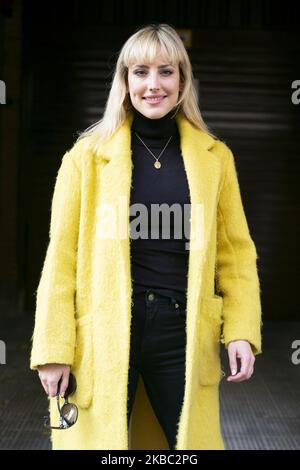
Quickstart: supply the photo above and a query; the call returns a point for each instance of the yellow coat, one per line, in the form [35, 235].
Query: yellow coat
[83, 308]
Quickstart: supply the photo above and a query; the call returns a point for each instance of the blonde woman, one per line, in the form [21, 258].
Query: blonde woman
[134, 306]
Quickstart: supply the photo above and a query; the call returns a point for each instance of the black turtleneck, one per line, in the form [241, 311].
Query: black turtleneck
[158, 264]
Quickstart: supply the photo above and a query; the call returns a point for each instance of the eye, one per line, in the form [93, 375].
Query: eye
[138, 72]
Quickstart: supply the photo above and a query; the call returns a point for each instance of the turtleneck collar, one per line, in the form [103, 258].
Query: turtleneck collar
[152, 130]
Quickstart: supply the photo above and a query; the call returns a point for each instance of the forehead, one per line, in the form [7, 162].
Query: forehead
[158, 65]
[151, 55]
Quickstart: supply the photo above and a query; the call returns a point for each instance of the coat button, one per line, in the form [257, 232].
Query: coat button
[176, 305]
[151, 297]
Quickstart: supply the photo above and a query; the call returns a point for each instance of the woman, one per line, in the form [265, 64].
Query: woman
[113, 307]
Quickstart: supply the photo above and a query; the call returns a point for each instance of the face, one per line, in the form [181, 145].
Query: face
[159, 79]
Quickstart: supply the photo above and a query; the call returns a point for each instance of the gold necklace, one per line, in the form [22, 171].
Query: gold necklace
[157, 164]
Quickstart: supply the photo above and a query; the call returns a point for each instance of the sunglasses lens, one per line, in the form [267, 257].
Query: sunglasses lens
[70, 412]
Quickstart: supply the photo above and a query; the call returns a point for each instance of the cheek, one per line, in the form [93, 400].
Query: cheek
[135, 88]
[132, 85]
[173, 86]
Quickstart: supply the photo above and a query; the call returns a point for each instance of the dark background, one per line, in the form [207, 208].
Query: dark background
[57, 60]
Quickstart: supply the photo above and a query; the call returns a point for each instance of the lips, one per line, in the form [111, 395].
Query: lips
[154, 100]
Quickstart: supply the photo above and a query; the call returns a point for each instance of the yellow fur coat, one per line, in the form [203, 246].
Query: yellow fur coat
[83, 307]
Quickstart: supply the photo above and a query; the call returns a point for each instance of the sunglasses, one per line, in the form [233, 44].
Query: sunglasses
[68, 413]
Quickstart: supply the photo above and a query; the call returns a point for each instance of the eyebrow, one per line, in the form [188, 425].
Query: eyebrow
[160, 66]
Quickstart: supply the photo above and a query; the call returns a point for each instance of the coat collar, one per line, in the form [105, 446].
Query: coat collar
[121, 139]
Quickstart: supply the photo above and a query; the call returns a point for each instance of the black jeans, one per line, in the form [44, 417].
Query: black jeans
[157, 352]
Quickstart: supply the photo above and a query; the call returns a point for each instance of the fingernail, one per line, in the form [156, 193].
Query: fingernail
[233, 371]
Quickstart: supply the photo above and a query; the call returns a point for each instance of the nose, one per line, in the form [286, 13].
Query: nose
[153, 81]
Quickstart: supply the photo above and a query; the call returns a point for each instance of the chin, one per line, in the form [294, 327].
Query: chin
[156, 114]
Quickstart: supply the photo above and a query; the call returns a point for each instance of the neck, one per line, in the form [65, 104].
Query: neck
[156, 130]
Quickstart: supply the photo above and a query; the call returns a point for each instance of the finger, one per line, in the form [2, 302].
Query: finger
[237, 378]
[250, 373]
[64, 382]
[43, 382]
[245, 365]
[233, 362]
[52, 387]
[45, 386]
[244, 371]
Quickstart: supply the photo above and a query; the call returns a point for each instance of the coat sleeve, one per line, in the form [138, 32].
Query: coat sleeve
[53, 339]
[236, 269]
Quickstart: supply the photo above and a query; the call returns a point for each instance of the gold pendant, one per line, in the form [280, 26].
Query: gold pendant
[157, 164]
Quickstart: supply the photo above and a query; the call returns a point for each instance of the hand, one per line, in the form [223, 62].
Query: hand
[242, 350]
[50, 375]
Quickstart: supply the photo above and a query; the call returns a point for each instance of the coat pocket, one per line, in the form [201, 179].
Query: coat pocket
[209, 338]
[83, 365]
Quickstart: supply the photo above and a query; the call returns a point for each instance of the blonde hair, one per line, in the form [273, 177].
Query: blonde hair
[143, 46]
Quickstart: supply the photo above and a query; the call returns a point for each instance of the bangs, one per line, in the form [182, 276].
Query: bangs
[144, 50]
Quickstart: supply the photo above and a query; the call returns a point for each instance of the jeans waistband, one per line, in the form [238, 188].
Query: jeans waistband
[150, 295]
